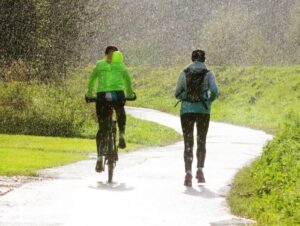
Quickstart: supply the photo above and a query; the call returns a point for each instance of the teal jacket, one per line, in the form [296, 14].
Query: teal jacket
[209, 84]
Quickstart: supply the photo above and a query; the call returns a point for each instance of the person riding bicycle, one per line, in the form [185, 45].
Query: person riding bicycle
[114, 85]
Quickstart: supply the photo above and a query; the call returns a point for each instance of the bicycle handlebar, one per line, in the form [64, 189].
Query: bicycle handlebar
[94, 99]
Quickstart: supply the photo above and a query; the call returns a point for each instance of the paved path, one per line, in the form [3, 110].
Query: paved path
[148, 189]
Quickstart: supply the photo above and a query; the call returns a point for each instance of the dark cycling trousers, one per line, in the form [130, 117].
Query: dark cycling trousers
[188, 122]
[103, 110]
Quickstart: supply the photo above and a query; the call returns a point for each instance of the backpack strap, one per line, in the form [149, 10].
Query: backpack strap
[204, 71]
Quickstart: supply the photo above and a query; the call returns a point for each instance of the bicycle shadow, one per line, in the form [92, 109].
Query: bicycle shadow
[203, 192]
[117, 187]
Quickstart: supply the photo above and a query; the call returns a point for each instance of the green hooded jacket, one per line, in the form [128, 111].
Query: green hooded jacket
[111, 77]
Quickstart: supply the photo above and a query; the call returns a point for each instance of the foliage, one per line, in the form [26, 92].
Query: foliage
[293, 34]
[39, 110]
[18, 26]
[234, 37]
[46, 37]
[234, 32]
[246, 93]
[269, 190]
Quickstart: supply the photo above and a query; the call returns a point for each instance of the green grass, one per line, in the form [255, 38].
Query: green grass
[28, 161]
[58, 110]
[260, 97]
[155, 88]
[269, 190]
[25, 155]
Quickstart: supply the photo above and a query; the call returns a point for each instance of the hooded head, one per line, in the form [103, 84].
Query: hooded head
[108, 53]
[198, 55]
[117, 57]
[110, 49]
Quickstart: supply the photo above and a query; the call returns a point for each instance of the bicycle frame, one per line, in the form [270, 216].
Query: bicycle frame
[110, 151]
[111, 136]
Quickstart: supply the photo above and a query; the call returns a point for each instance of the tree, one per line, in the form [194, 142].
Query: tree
[48, 37]
[18, 25]
[293, 36]
[232, 36]
[58, 30]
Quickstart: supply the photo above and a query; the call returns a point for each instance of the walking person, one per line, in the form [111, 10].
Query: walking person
[196, 89]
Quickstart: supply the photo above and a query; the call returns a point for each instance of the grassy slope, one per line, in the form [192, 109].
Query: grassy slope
[260, 97]
[24, 155]
[269, 190]
[247, 94]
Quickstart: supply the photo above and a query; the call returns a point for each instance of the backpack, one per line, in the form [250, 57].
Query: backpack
[194, 82]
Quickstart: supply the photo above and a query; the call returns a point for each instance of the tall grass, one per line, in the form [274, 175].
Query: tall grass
[259, 97]
[269, 190]
[37, 109]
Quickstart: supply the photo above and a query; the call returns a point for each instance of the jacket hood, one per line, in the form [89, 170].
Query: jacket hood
[197, 66]
[117, 57]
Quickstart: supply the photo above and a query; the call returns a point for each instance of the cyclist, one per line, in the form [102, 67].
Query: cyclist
[114, 85]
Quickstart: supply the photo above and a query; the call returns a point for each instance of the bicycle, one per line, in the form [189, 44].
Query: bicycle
[110, 151]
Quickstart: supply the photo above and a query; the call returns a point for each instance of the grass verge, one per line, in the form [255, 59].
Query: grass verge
[269, 189]
[25, 155]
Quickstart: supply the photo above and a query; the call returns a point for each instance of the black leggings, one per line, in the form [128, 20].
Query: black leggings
[188, 122]
[103, 109]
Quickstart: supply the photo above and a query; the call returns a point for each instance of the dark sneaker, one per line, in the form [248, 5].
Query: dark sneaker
[188, 180]
[200, 176]
[122, 143]
[99, 166]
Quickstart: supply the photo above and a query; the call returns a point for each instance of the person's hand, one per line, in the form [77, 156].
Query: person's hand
[88, 99]
[132, 96]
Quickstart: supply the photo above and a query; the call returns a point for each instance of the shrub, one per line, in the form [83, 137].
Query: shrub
[42, 110]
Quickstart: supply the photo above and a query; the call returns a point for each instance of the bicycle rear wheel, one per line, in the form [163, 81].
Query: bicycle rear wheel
[112, 157]
[111, 166]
